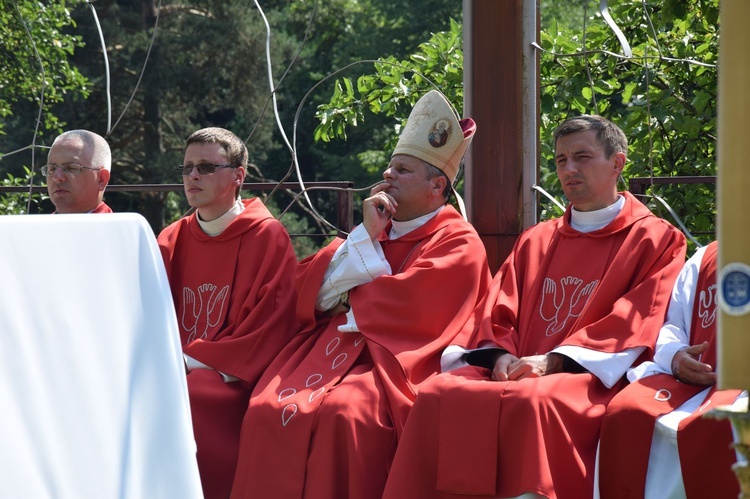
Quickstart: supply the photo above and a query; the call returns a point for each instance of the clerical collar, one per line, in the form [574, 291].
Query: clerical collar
[399, 229]
[589, 221]
[216, 227]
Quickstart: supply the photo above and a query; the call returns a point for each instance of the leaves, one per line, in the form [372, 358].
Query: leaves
[38, 73]
[395, 86]
[202, 77]
[15, 203]
[666, 108]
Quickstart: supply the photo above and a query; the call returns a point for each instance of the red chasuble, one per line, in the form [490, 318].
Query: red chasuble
[704, 445]
[325, 419]
[606, 290]
[102, 208]
[234, 296]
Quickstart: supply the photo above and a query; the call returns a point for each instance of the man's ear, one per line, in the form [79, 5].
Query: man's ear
[103, 179]
[240, 175]
[441, 182]
[620, 160]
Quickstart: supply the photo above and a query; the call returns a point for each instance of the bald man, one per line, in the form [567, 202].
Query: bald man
[77, 171]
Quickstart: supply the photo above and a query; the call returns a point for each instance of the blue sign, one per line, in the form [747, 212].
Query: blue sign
[734, 289]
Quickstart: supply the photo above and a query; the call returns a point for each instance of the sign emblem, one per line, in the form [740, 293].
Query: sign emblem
[734, 289]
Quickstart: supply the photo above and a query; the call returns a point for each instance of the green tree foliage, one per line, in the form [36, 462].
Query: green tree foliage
[664, 96]
[34, 78]
[16, 203]
[396, 85]
[32, 72]
[207, 67]
[345, 36]
[391, 92]
[176, 69]
[572, 13]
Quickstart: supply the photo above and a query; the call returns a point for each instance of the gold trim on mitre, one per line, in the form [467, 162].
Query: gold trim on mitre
[433, 134]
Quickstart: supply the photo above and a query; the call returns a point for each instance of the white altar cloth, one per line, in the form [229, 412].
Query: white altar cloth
[93, 397]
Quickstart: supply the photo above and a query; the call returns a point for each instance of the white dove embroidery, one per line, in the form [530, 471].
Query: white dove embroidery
[197, 318]
[567, 301]
[707, 306]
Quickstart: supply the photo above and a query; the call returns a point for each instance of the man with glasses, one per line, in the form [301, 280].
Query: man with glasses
[77, 172]
[231, 268]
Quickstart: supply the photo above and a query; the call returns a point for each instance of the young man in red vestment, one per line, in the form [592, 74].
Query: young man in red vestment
[655, 442]
[77, 172]
[231, 269]
[578, 300]
[377, 309]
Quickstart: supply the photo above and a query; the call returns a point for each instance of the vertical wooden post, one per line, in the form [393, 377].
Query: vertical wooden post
[733, 200]
[733, 207]
[502, 99]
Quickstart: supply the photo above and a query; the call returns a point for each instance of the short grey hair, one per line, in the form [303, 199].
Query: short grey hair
[101, 155]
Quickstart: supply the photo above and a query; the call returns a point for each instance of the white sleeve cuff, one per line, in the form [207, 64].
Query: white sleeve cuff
[191, 363]
[351, 323]
[644, 370]
[357, 261]
[608, 367]
[452, 358]
[666, 351]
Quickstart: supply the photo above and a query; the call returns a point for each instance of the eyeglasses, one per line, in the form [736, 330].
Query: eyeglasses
[71, 169]
[203, 168]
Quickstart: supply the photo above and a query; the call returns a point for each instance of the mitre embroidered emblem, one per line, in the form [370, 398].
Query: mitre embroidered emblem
[440, 132]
